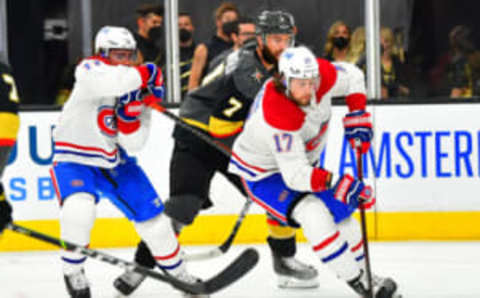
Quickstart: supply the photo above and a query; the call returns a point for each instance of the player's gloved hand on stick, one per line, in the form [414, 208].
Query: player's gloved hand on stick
[5, 211]
[353, 192]
[152, 80]
[358, 125]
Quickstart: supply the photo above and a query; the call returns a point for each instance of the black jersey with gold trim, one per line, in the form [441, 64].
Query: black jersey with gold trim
[220, 107]
[9, 101]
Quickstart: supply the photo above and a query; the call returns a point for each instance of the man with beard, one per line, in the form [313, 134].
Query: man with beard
[225, 14]
[149, 34]
[219, 110]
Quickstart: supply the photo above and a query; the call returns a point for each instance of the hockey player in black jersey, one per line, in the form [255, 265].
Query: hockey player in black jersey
[219, 109]
[9, 124]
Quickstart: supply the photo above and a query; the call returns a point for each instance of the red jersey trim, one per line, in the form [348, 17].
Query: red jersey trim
[356, 101]
[279, 111]
[328, 77]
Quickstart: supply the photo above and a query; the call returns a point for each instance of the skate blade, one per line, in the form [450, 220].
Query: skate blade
[288, 282]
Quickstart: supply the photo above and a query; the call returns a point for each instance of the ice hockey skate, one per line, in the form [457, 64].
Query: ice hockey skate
[128, 282]
[294, 274]
[77, 285]
[382, 287]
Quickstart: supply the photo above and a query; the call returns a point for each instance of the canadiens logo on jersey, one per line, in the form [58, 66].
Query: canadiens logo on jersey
[106, 121]
[313, 143]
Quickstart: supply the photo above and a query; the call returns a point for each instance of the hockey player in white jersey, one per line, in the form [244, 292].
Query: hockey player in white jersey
[277, 151]
[104, 121]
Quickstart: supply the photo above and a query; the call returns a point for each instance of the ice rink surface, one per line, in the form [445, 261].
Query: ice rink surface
[422, 269]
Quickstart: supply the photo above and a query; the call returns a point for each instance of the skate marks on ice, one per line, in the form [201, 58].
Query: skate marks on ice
[422, 270]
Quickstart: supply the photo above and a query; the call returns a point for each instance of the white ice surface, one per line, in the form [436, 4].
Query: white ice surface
[422, 269]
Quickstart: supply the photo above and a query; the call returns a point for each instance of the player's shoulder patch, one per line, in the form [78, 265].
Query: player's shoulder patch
[93, 62]
[328, 77]
[279, 111]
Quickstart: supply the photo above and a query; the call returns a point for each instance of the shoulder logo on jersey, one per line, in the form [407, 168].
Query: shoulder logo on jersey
[257, 76]
[313, 143]
[339, 68]
[106, 121]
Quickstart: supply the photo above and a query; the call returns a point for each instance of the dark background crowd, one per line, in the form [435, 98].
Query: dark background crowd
[428, 47]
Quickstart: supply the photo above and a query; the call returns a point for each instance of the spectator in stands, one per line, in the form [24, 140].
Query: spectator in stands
[459, 70]
[356, 51]
[187, 48]
[393, 71]
[204, 53]
[243, 32]
[149, 34]
[452, 74]
[338, 39]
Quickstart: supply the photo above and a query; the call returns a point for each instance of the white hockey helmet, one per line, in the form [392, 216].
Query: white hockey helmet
[299, 63]
[110, 37]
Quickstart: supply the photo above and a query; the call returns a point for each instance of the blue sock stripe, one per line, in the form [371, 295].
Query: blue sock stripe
[359, 258]
[74, 261]
[170, 267]
[336, 254]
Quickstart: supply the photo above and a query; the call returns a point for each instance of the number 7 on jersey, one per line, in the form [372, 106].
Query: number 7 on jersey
[283, 142]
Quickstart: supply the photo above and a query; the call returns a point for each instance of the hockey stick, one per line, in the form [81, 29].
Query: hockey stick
[218, 251]
[235, 270]
[225, 246]
[363, 220]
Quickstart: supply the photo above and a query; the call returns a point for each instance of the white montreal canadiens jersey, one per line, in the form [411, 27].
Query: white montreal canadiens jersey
[86, 132]
[281, 137]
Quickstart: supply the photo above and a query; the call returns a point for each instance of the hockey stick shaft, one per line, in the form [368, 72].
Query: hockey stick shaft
[363, 221]
[244, 263]
[223, 248]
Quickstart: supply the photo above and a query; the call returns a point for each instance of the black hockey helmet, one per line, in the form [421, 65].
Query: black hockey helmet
[275, 21]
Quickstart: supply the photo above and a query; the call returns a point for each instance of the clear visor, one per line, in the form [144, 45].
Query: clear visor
[122, 55]
[305, 84]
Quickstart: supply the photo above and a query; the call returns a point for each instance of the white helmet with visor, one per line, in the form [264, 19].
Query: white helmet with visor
[110, 37]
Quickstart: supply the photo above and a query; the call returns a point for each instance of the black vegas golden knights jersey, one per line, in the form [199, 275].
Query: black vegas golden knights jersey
[9, 102]
[9, 121]
[220, 107]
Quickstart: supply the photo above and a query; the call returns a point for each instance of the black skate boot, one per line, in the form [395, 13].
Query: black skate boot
[128, 282]
[77, 285]
[382, 287]
[294, 274]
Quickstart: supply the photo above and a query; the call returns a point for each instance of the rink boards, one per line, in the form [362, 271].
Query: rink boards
[424, 166]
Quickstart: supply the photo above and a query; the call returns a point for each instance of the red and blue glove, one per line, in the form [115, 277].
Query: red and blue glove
[358, 130]
[351, 192]
[129, 107]
[152, 79]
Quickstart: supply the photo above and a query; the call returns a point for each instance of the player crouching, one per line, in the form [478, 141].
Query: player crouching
[284, 136]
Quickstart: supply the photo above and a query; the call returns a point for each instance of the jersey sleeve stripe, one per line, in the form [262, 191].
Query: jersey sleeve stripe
[85, 148]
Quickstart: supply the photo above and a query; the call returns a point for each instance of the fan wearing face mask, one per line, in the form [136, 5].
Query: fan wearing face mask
[338, 41]
[225, 15]
[149, 34]
[187, 48]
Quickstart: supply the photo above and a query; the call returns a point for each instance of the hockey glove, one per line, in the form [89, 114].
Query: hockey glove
[129, 107]
[5, 210]
[151, 75]
[358, 126]
[351, 192]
